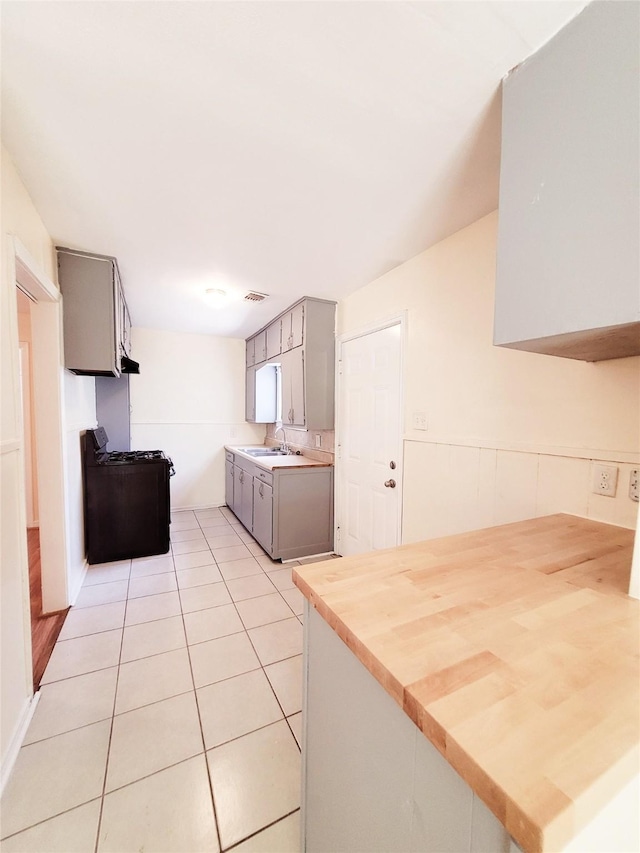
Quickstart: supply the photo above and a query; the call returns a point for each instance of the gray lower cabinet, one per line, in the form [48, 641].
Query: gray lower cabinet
[228, 480]
[244, 484]
[263, 514]
[289, 511]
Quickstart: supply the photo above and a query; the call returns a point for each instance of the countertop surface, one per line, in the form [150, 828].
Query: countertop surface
[271, 462]
[515, 650]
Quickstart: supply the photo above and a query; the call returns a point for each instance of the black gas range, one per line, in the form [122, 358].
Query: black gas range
[126, 500]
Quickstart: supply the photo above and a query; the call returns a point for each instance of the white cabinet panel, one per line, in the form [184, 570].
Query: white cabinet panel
[371, 780]
[350, 720]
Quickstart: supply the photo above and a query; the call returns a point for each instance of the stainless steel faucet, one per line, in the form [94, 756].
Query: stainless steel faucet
[284, 438]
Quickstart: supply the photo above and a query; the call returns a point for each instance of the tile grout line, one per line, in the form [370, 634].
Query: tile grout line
[195, 696]
[113, 716]
[258, 831]
[262, 666]
[268, 724]
[51, 817]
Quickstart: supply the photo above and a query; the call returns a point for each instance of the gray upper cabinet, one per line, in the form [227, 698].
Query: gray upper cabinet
[250, 395]
[250, 352]
[293, 385]
[273, 339]
[307, 360]
[95, 314]
[293, 326]
[260, 347]
[569, 215]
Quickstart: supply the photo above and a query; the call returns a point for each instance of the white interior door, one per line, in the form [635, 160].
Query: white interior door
[369, 463]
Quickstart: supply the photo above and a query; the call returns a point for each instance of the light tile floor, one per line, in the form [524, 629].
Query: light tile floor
[170, 711]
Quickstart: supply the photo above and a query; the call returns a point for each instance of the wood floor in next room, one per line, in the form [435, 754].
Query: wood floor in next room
[44, 629]
[170, 711]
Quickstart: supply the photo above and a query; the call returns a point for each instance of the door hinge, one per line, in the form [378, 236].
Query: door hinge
[340, 368]
[338, 533]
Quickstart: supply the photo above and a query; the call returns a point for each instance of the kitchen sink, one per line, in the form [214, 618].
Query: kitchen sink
[252, 451]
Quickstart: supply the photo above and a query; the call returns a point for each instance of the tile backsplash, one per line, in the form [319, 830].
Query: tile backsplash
[305, 441]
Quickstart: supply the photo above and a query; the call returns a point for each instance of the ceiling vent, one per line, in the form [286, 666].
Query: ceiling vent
[253, 296]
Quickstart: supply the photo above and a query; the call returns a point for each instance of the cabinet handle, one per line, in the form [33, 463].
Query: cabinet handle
[242, 476]
[261, 490]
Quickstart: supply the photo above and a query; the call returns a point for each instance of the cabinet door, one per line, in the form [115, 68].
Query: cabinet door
[91, 314]
[250, 395]
[228, 484]
[251, 351]
[273, 339]
[285, 388]
[260, 347]
[263, 514]
[287, 340]
[237, 490]
[296, 372]
[297, 325]
[246, 499]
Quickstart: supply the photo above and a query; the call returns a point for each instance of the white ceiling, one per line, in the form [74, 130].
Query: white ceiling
[294, 148]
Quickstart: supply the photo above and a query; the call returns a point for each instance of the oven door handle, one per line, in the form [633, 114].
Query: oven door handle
[172, 470]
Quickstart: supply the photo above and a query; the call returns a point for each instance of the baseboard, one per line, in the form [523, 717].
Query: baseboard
[9, 759]
[73, 594]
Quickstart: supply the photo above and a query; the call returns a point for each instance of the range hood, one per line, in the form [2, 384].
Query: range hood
[128, 365]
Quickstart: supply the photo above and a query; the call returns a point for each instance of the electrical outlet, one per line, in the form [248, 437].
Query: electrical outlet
[634, 484]
[420, 420]
[605, 480]
[318, 441]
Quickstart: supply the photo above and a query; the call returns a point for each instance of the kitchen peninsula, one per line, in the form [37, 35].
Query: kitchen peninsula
[513, 650]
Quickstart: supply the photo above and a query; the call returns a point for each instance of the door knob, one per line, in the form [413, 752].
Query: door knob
[390, 484]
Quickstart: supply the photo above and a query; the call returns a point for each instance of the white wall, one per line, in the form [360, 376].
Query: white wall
[189, 401]
[20, 219]
[80, 414]
[510, 434]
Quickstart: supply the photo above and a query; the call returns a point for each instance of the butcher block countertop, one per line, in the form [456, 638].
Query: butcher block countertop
[271, 462]
[515, 650]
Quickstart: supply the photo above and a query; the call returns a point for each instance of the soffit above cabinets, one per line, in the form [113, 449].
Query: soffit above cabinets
[285, 148]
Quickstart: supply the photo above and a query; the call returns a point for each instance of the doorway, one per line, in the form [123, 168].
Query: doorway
[369, 440]
[45, 627]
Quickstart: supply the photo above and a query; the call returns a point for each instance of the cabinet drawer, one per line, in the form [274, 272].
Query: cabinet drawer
[245, 465]
[265, 476]
[228, 456]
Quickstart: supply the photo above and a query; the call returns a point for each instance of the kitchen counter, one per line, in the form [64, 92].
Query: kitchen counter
[514, 650]
[271, 462]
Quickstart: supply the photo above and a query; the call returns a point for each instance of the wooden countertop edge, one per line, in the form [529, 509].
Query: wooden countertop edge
[534, 835]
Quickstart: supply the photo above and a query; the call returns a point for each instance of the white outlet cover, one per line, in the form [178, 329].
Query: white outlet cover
[605, 480]
[420, 420]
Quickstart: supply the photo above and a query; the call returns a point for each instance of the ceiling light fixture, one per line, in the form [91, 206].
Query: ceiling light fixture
[216, 296]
